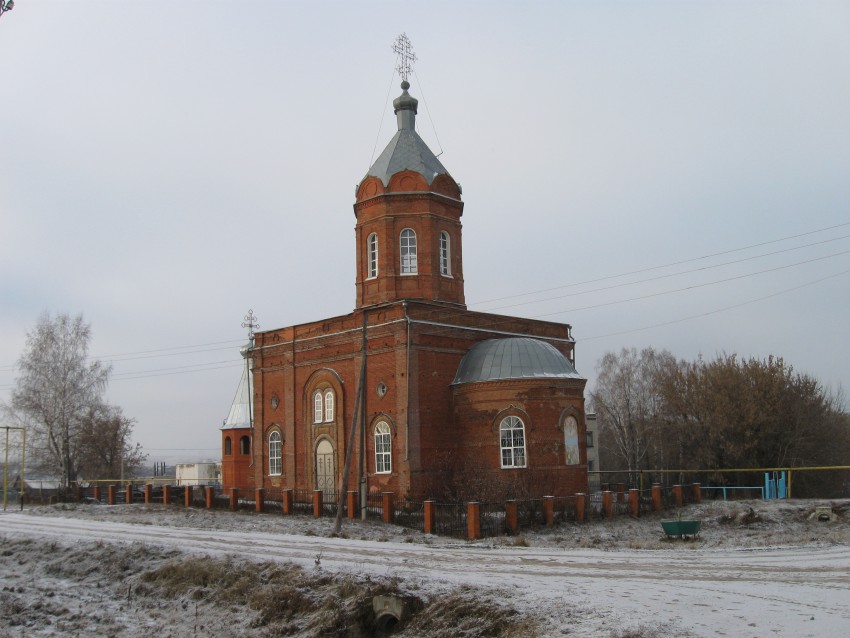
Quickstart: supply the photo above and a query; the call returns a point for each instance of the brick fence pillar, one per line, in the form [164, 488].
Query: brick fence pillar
[581, 505]
[512, 516]
[351, 503]
[209, 494]
[287, 502]
[187, 496]
[128, 493]
[110, 495]
[148, 492]
[234, 499]
[259, 500]
[657, 504]
[696, 492]
[96, 492]
[473, 520]
[387, 507]
[605, 487]
[166, 494]
[318, 502]
[621, 492]
[634, 502]
[677, 495]
[429, 518]
[549, 510]
[608, 504]
[79, 493]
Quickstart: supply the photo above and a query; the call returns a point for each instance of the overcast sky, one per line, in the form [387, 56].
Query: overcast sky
[666, 174]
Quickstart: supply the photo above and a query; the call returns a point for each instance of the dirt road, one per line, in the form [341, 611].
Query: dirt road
[785, 591]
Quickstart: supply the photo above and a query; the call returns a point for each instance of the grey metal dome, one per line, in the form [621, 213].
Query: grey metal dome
[514, 358]
[406, 151]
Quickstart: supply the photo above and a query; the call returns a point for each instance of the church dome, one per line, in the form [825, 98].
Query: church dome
[406, 150]
[513, 358]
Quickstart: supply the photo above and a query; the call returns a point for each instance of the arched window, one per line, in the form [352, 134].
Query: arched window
[408, 252]
[512, 441]
[318, 409]
[245, 445]
[228, 446]
[372, 246]
[571, 451]
[445, 254]
[329, 406]
[383, 449]
[274, 454]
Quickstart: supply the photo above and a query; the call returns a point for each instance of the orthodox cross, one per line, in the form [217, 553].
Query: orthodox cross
[405, 57]
[250, 323]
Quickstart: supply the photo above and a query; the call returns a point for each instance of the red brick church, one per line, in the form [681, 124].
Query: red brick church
[444, 402]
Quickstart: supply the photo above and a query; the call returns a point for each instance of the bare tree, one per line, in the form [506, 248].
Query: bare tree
[104, 448]
[56, 391]
[627, 403]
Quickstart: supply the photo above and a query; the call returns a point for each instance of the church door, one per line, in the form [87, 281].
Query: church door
[325, 467]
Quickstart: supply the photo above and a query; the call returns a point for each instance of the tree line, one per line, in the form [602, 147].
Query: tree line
[73, 433]
[657, 412]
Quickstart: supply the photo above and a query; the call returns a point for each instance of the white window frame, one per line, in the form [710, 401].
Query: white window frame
[407, 252]
[275, 449]
[572, 449]
[318, 407]
[372, 256]
[383, 448]
[329, 406]
[512, 443]
[445, 254]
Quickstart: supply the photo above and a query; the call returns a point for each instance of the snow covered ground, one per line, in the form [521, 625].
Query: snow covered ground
[758, 569]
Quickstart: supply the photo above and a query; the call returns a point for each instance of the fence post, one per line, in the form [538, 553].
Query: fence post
[473, 520]
[429, 517]
[351, 503]
[287, 502]
[96, 492]
[388, 510]
[581, 504]
[317, 503]
[210, 496]
[148, 492]
[259, 500]
[696, 491]
[234, 498]
[634, 502]
[604, 487]
[110, 495]
[657, 505]
[166, 494]
[608, 504]
[621, 492]
[677, 495]
[128, 493]
[187, 496]
[549, 510]
[511, 516]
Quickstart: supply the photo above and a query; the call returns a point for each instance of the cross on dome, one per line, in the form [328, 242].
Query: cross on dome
[405, 57]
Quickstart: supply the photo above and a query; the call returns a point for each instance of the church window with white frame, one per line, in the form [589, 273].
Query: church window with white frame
[274, 454]
[383, 448]
[445, 254]
[408, 252]
[329, 406]
[318, 407]
[512, 442]
[372, 249]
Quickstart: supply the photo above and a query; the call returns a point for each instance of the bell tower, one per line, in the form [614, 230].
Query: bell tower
[408, 228]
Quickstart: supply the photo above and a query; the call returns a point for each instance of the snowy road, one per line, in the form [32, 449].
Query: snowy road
[768, 592]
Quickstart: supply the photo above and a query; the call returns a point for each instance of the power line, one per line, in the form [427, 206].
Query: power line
[717, 311]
